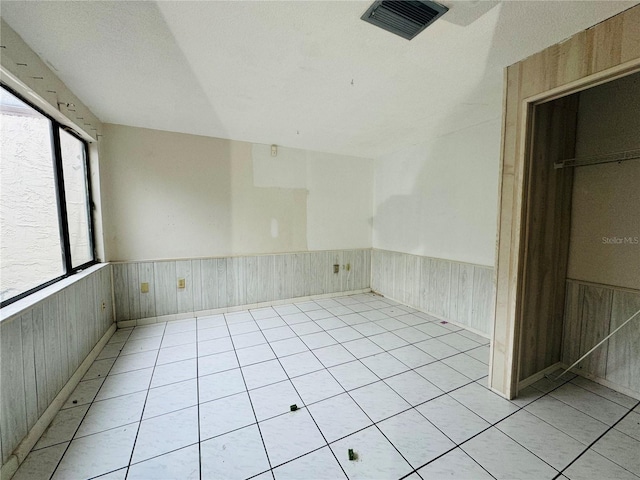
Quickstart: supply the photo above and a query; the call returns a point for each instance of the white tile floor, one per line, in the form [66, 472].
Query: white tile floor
[209, 398]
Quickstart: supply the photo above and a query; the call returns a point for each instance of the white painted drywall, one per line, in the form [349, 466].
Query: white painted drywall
[173, 195]
[439, 199]
[605, 216]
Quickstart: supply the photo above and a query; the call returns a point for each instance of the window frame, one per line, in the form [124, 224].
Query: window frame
[63, 220]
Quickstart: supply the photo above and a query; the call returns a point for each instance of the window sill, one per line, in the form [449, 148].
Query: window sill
[24, 304]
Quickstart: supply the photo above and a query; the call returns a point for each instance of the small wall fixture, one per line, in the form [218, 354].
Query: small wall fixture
[406, 18]
[274, 150]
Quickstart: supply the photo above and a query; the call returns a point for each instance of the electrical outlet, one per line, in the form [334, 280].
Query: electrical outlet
[144, 287]
[104, 306]
[181, 283]
[336, 268]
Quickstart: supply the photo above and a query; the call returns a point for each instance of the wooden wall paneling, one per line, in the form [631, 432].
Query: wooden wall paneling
[351, 278]
[630, 33]
[596, 320]
[319, 267]
[334, 281]
[412, 279]
[83, 321]
[147, 300]
[166, 287]
[376, 263]
[251, 276]
[546, 234]
[133, 282]
[67, 308]
[605, 44]
[42, 385]
[364, 266]
[58, 318]
[99, 322]
[347, 276]
[29, 368]
[299, 280]
[241, 295]
[572, 63]
[75, 297]
[52, 347]
[121, 290]
[379, 270]
[387, 275]
[89, 315]
[196, 275]
[396, 288]
[221, 282]
[209, 273]
[279, 277]
[108, 295]
[454, 284]
[242, 279]
[433, 285]
[443, 275]
[425, 283]
[483, 296]
[572, 330]
[464, 298]
[365, 276]
[235, 281]
[266, 278]
[307, 273]
[184, 296]
[13, 422]
[623, 357]
[283, 267]
[367, 267]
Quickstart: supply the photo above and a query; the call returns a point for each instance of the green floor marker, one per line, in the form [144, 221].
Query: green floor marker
[352, 454]
[293, 407]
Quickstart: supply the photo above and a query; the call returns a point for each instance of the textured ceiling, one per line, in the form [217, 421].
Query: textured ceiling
[301, 74]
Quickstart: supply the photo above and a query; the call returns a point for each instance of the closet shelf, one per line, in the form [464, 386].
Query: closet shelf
[598, 159]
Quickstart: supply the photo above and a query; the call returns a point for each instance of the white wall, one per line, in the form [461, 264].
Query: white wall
[605, 215]
[439, 199]
[170, 195]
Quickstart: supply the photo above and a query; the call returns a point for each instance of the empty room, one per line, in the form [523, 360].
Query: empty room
[311, 240]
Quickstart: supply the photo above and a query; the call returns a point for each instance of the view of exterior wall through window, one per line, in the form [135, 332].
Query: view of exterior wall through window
[32, 229]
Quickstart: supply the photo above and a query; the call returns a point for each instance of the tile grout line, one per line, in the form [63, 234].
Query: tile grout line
[198, 403]
[591, 445]
[249, 396]
[490, 425]
[352, 399]
[144, 405]
[85, 414]
[308, 411]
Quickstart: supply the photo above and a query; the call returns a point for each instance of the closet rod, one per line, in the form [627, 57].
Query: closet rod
[598, 159]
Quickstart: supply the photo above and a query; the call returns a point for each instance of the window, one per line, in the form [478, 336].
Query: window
[45, 214]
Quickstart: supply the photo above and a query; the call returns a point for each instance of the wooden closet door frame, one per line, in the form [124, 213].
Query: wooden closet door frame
[598, 55]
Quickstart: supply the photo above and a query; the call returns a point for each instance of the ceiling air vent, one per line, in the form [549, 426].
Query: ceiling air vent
[406, 18]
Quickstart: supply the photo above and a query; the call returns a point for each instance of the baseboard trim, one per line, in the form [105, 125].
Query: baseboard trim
[235, 308]
[22, 450]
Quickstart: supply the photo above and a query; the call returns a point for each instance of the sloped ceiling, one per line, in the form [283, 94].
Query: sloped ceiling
[305, 74]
